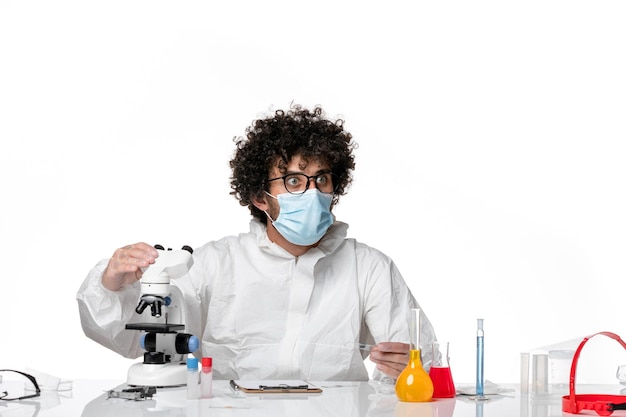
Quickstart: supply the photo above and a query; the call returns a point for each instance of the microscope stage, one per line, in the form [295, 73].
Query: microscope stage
[156, 327]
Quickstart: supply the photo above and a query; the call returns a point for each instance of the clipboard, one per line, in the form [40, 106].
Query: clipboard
[274, 387]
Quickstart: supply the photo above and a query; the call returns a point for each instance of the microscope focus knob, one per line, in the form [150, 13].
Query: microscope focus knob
[181, 343]
[186, 343]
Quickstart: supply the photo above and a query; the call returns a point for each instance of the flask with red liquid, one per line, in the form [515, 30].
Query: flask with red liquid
[440, 374]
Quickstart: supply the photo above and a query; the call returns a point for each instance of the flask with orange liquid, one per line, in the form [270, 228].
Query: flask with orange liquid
[414, 383]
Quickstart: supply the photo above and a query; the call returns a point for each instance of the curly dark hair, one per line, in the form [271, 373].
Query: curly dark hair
[276, 139]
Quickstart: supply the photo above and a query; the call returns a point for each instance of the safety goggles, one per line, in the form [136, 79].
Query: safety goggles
[4, 395]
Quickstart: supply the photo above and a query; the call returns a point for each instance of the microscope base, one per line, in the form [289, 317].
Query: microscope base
[171, 374]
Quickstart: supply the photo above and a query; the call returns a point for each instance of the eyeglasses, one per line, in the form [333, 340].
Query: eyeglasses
[5, 394]
[299, 183]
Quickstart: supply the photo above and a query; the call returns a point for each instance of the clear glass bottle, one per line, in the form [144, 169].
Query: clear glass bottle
[192, 378]
[206, 378]
[414, 383]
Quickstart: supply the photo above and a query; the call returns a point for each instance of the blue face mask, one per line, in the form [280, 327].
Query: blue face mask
[303, 218]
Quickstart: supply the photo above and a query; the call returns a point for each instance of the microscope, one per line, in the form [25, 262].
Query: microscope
[167, 347]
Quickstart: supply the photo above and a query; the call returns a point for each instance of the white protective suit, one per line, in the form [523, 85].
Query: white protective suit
[263, 313]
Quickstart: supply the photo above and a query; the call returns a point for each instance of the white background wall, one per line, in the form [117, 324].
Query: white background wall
[490, 166]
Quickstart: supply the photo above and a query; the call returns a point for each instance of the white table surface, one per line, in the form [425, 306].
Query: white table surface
[342, 399]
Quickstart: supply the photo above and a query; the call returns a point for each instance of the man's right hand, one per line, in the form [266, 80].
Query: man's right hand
[124, 267]
[390, 357]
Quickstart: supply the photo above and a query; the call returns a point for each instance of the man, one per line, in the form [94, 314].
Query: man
[291, 299]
